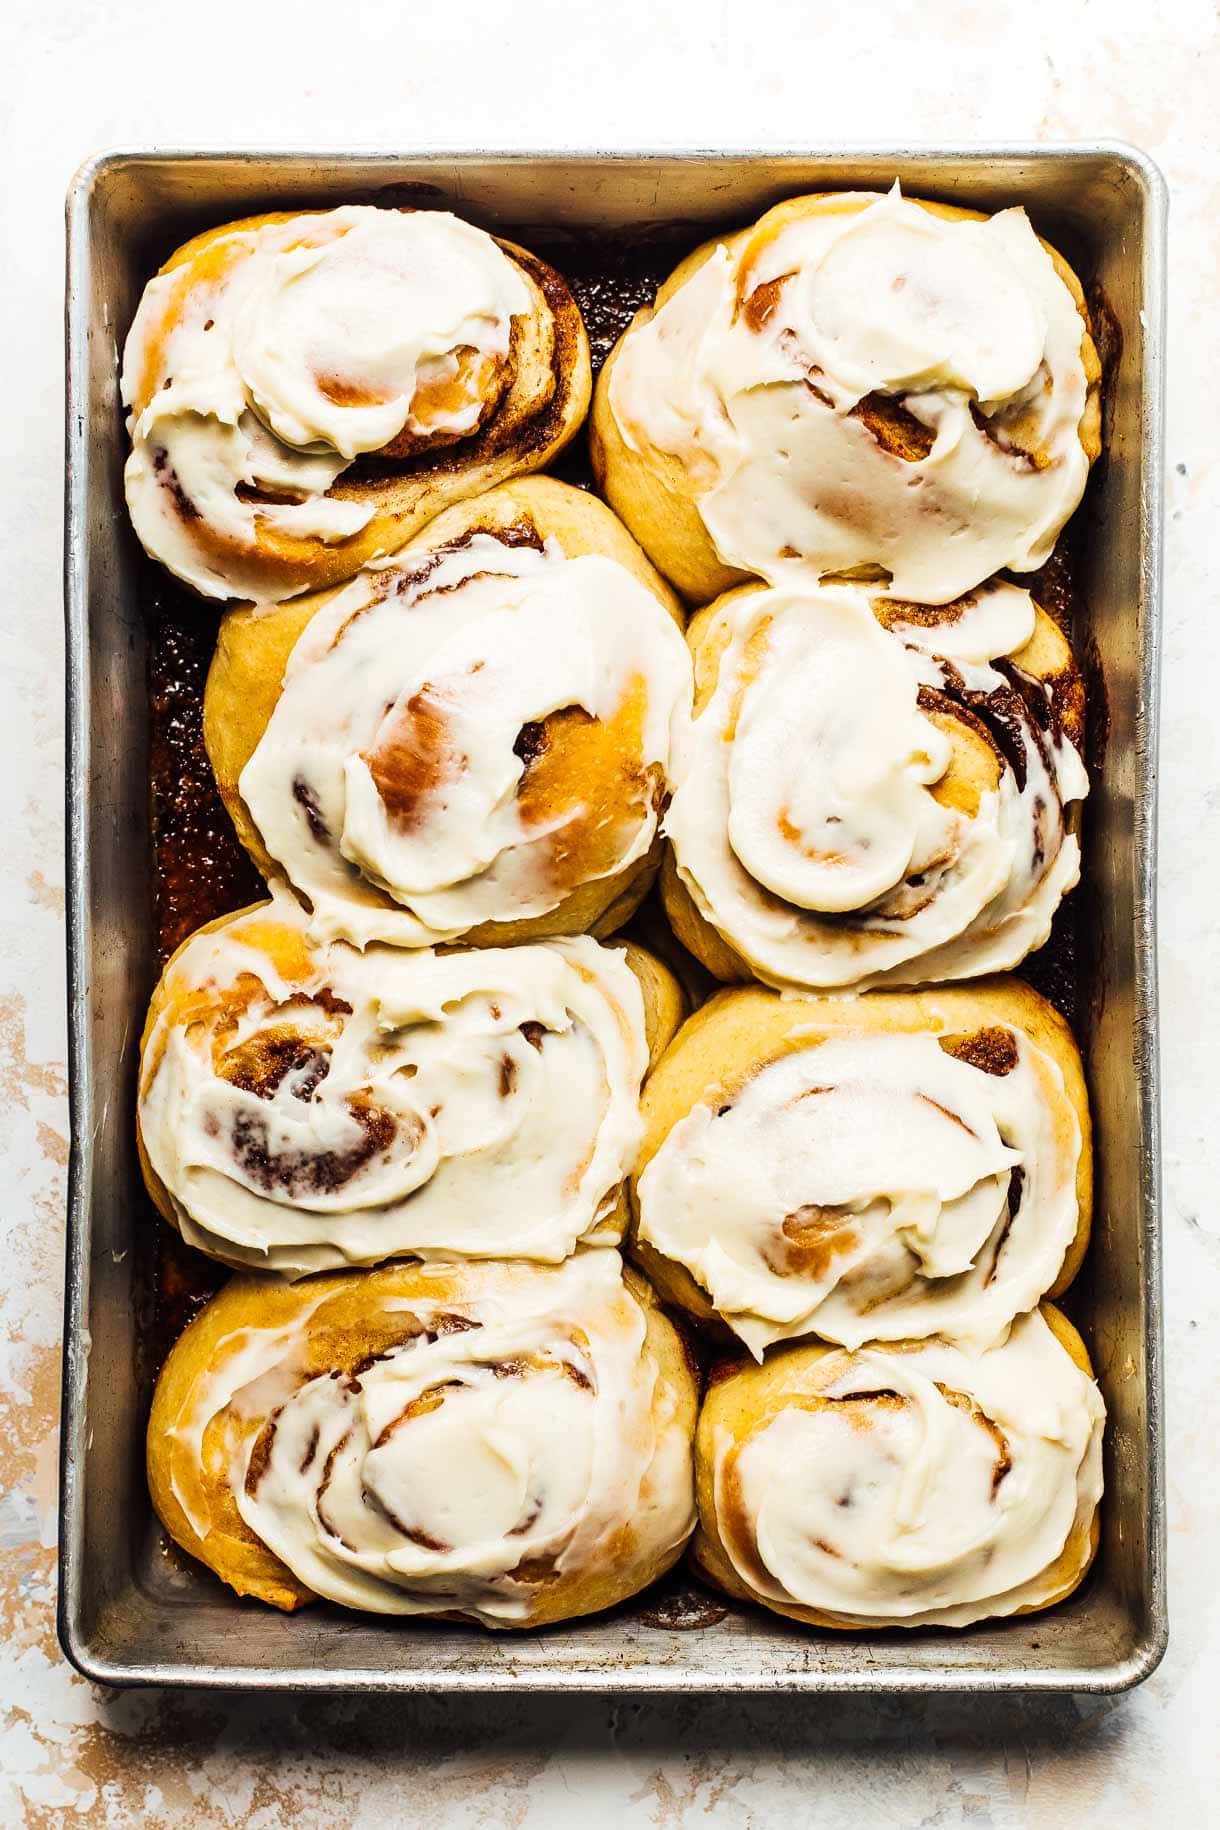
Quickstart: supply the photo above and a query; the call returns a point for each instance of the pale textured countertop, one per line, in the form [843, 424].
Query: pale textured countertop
[565, 72]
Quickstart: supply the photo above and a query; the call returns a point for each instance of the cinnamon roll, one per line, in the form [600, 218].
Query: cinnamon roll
[860, 384]
[307, 391]
[907, 1485]
[304, 1106]
[874, 791]
[498, 1443]
[470, 741]
[866, 1169]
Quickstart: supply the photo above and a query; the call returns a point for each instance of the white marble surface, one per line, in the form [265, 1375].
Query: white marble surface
[78, 77]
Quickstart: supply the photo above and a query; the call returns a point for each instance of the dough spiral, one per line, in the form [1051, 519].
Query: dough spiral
[472, 740]
[909, 1485]
[875, 792]
[878, 1168]
[306, 391]
[304, 1106]
[860, 384]
[503, 1443]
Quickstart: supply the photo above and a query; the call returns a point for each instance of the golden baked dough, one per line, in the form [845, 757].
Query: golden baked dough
[590, 783]
[875, 792]
[651, 928]
[705, 425]
[305, 1107]
[308, 390]
[883, 1167]
[503, 1444]
[859, 1491]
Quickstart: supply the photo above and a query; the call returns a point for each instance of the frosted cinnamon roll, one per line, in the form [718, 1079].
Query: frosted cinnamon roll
[472, 740]
[875, 791]
[865, 1169]
[304, 1106]
[497, 1443]
[305, 392]
[908, 1485]
[861, 384]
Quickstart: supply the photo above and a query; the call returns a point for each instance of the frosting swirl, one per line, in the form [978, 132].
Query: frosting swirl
[468, 735]
[304, 1105]
[868, 385]
[878, 791]
[510, 1429]
[912, 1485]
[259, 369]
[874, 1186]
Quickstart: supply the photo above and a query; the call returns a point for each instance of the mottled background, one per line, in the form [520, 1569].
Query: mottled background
[78, 77]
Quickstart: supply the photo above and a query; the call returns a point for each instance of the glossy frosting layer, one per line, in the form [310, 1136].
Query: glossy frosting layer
[922, 1485]
[256, 372]
[514, 1430]
[469, 735]
[877, 792]
[306, 1106]
[876, 387]
[874, 1187]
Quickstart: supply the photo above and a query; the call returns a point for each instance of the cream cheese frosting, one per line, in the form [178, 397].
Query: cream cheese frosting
[258, 372]
[805, 818]
[521, 1428]
[873, 1187]
[308, 1106]
[392, 784]
[888, 1501]
[761, 385]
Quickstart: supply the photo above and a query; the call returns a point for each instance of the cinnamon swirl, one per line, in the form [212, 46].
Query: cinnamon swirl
[307, 391]
[874, 791]
[878, 1168]
[503, 1444]
[906, 1485]
[470, 741]
[859, 384]
[304, 1106]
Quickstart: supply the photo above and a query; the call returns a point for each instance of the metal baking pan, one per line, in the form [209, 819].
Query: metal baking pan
[128, 1614]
